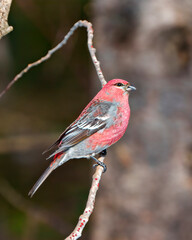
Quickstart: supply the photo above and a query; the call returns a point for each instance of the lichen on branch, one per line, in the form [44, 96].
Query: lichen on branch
[4, 12]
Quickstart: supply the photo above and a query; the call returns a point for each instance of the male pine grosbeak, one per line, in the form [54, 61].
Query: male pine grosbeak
[102, 123]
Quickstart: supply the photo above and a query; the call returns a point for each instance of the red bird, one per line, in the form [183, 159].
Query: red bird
[102, 123]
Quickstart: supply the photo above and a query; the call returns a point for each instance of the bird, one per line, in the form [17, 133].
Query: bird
[102, 123]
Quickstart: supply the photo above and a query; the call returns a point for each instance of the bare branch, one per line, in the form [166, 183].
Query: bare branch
[77, 232]
[19, 202]
[92, 51]
[4, 12]
[84, 218]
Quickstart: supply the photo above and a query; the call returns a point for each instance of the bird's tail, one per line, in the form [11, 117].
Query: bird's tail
[47, 172]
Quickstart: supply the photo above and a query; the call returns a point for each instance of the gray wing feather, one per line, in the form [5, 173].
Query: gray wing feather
[94, 119]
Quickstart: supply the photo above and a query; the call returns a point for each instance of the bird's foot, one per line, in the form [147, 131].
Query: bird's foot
[100, 164]
[103, 153]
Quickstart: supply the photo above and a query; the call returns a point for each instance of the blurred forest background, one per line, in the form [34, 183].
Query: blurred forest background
[146, 194]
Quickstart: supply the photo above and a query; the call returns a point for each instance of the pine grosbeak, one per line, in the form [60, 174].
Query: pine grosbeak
[102, 123]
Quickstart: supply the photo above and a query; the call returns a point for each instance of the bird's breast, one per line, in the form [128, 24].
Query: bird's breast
[113, 131]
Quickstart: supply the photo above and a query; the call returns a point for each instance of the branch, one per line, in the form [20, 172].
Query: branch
[84, 218]
[17, 200]
[4, 12]
[92, 51]
[77, 232]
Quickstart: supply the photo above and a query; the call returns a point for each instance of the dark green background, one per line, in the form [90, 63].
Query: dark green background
[35, 111]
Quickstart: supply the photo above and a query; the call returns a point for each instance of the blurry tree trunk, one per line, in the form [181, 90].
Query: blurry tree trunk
[147, 191]
[4, 12]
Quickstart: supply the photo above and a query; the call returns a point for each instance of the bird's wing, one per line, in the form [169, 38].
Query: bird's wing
[91, 120]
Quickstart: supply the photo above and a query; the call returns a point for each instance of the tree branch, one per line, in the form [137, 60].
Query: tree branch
[4, 12]
[41, 215]
[92, 51]
[77, 232]
[84, 218]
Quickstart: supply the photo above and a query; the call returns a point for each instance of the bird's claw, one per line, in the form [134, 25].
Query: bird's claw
[102, 165]
[99, 163]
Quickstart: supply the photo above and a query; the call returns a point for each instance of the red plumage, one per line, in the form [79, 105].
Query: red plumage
[102, 123]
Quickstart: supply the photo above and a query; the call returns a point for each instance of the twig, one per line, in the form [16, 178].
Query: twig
[84, 218]
[77, 232]
[21, 143]
[4, 12]
[19, 202]
[92, 51]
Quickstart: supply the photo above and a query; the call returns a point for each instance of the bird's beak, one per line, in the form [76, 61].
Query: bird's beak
[130, 88]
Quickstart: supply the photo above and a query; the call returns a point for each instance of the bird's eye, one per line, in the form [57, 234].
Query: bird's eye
[119, 84]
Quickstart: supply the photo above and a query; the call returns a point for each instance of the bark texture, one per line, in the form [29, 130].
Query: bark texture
[4, 12]
[147, 190]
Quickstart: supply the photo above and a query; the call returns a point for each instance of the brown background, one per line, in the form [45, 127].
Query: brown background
[146, 192]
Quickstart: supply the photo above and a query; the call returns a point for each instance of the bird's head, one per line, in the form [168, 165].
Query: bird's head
[118, 86]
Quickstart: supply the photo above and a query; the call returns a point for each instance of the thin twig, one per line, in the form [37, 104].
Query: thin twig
[19, 202]
[84, 218]
[77, 232]
[81, 23]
